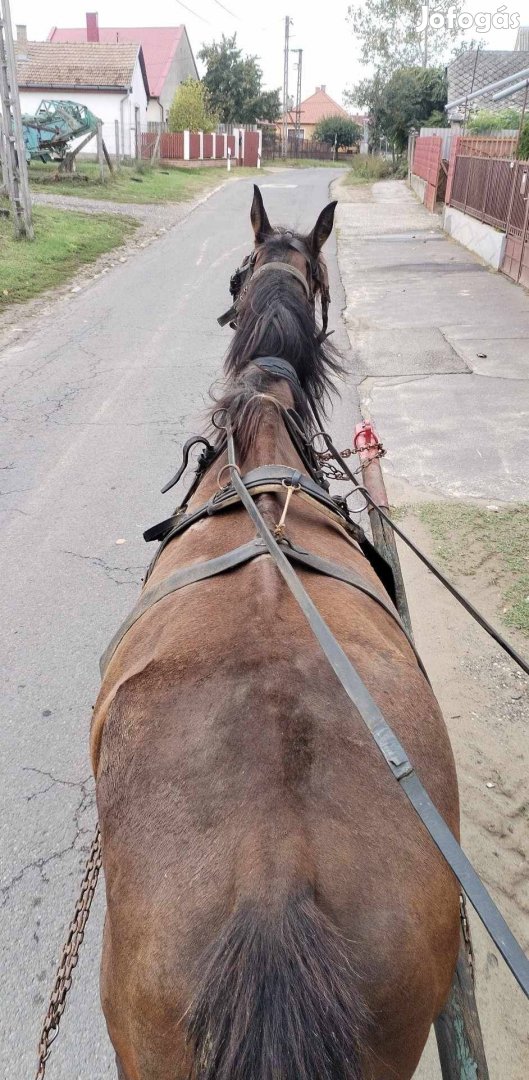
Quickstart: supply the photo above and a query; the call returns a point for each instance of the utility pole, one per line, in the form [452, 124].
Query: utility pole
[425, 53]
[298, 98]
[284, 134]
[15, 166]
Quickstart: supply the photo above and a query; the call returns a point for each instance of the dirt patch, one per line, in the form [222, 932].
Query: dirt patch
[486, 544]
[485, 702]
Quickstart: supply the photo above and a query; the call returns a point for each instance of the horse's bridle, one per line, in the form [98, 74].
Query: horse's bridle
[317, 281]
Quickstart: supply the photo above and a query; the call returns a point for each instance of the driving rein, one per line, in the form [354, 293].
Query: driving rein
[242, 490]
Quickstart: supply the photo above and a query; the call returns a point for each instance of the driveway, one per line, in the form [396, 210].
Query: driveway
[440, 345]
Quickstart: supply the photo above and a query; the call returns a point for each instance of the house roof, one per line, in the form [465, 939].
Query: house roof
[90, 65]
[159, 44]
[317, 107]
[469, 72]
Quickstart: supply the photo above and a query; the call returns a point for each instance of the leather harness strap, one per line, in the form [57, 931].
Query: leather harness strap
[392, 750]
[266, 478]
[201, 571]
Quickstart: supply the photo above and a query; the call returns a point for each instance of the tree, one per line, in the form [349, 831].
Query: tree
[339, 131]
[233, 82]
[392, 32]
[190, 108]
[405, 100]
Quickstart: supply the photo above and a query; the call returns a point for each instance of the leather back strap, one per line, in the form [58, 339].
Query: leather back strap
[201, 571]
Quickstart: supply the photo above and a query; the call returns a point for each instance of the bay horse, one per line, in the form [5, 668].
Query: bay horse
[275, 910]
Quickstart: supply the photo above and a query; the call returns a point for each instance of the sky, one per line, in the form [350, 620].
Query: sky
[330, 53]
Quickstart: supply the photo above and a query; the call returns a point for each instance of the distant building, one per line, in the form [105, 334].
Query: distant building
[315, 108]
[109, 79]
[168, 56]
[477, 68]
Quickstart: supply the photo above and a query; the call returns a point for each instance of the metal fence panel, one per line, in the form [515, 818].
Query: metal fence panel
[482, 188]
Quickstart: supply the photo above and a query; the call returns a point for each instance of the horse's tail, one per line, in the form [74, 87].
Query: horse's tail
[277, 1000]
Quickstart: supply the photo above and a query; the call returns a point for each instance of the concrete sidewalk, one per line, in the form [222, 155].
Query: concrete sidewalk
[441, 348]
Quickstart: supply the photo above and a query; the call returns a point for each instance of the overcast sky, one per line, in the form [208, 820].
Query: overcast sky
[320, 29]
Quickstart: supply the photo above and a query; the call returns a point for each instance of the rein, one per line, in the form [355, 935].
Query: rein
[391, 749]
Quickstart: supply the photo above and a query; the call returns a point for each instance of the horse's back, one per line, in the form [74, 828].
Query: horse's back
[235, 771]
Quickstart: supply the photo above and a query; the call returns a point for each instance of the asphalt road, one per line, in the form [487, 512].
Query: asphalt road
[97, 398]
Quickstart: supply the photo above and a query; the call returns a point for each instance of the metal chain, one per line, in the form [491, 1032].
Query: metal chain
[70, 955]
[336, 474]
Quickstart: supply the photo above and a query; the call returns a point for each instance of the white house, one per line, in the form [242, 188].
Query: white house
[168, 55]
[109, 79]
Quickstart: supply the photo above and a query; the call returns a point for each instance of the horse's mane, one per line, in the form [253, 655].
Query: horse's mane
[275, 318]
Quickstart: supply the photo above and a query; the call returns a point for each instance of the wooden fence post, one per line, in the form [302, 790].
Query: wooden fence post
[100, 154]
[137, 132]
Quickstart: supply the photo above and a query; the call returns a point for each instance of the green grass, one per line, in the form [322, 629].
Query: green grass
[472, 540]
[366, 169]
[64, 241]
[132, 184]
[308, 163]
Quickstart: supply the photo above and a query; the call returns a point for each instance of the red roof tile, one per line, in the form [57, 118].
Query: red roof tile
[316, 108]
[159, 44]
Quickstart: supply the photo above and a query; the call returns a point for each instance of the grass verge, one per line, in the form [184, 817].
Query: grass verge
[308, 163]
[64, 241]
[366, 169]
[472, 541]
[131, 184]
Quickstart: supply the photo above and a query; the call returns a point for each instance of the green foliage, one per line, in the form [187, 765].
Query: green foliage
[436, 120]
[523, 145]
[494, 544]
[64, 241]
[401, 102]
[391, 32]
[139, 183]
[367, 168]
[190, 108]
[339, 131]
[485, 121]
[233, 83]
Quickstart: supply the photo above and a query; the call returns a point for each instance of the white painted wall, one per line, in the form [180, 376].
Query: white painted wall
[486, 241]
[108, 106]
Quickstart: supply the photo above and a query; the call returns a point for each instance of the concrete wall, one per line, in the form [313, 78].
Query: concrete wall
[482, 239]
[418, 185]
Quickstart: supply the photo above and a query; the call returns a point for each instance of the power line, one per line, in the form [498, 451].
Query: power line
[224, 8]
[195, 13]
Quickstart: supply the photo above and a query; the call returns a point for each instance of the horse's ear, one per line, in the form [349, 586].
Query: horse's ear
[322, 229]
[259, 217]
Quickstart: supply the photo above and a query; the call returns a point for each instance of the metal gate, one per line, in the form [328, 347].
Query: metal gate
[516, 258]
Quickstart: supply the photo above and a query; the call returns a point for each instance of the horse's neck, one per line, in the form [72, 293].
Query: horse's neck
[272, 446]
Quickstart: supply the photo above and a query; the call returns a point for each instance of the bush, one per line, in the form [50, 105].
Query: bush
[523, 145]
[190, 108]
[371, 167]
[486, 121]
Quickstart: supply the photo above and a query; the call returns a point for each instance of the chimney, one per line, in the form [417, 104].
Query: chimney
[324, 88]
[92, 26]
[22, 35]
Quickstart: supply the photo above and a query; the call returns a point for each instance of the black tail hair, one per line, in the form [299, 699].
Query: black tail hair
[278, 1000]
